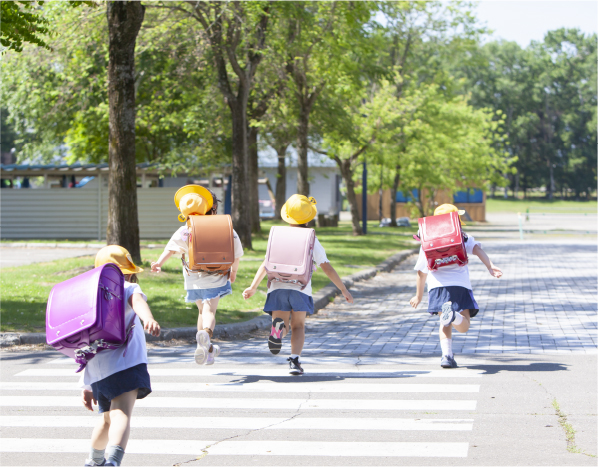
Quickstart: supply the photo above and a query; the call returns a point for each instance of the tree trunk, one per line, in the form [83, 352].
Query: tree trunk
[517, 185]
[393, 197]
[124, 22]
[302, 167]
[240, 210]
[252, 176]
[281, 179]
[347, 174]
[551, 182]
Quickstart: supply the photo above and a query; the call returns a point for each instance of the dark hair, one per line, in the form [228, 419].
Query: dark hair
[132, 278]
[215, 202]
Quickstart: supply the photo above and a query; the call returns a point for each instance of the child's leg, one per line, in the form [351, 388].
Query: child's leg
[464, 325]
[99, 437]
[208, 314]
[121, 408]
[298, 335]
[199, 317]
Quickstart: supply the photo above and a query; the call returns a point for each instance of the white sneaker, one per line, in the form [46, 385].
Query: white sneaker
[213, 354]
[447, 315]
[203, 344]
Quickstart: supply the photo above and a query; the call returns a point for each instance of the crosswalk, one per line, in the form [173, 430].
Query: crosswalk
[251, 413]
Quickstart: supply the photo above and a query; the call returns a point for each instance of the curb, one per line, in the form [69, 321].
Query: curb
[321, 299]
[93, 246]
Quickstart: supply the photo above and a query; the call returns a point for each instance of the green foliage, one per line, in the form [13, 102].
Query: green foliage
[547, 95]
[58, 104]
[20, 22]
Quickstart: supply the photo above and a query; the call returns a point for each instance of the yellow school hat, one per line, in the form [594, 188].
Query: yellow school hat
[446, 208]
[193, 199]
[118, 255]
[299, 209]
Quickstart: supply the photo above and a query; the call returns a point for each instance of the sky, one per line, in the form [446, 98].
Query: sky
[524, 21]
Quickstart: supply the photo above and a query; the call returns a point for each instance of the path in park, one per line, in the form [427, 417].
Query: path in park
[373, 392]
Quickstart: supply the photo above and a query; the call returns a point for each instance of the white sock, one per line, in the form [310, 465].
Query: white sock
[293, 356]
[458, 319]
[447, 347]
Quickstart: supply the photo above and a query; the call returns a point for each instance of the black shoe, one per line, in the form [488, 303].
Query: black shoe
[294, 366]
[275, 339]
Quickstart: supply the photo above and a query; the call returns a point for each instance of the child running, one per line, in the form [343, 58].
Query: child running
[286, 301]
[203, 289]
[449, 291]
[115, 378]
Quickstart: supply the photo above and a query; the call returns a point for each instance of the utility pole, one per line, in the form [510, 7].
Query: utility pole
[364, 199]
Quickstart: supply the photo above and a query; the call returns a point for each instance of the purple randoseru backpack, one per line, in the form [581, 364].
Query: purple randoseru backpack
[289, 257]
[86, 314]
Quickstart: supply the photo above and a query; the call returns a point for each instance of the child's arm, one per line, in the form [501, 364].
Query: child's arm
[142, 310]
[480, 253]
[157, 266]
[420, 284]
[259, 277]
[336, 280]
[233, 271]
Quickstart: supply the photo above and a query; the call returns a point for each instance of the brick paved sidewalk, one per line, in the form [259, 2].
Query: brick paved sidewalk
[544, 303]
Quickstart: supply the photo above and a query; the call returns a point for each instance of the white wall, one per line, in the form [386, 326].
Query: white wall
[81, 213]
[323, 185]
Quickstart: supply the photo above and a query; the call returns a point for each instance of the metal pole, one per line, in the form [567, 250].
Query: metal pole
[228, 196]
[364, 199]
[520, 225]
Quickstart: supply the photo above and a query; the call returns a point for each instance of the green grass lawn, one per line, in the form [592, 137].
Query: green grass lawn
[541, 205]
[25, 289]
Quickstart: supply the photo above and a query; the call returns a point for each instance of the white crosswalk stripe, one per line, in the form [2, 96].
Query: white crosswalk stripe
[392, 424]
[328, 386]
[245, 411]
[193, 371]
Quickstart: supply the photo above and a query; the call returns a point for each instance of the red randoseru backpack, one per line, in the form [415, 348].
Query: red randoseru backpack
[442, 240]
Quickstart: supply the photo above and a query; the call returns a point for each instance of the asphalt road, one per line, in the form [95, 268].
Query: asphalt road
[246, 410]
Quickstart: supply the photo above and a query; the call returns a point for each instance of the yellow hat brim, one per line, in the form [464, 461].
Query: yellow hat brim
[285, 216]
[132, 271]
[200, 190]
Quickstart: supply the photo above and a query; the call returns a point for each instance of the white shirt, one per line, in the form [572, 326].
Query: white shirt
[179, 243]
[319, 257]
[110, 361]
[447, 275]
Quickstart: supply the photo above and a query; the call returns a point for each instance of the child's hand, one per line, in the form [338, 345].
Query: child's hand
[249, 292]
[152, 327]
[86, 398]
[347, 295]
[495, 272]
[233, 276]
[415, 301]
[156, 267]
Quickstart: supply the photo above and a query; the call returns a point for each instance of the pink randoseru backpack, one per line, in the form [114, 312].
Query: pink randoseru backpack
[86, 314]
[289, 257]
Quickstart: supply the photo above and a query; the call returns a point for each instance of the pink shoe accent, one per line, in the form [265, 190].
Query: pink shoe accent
[275, 333]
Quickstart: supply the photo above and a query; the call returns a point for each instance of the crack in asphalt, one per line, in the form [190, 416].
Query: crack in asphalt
[205, 449]
[562, 419]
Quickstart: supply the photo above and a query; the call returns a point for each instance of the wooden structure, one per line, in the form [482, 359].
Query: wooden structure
[477, 211]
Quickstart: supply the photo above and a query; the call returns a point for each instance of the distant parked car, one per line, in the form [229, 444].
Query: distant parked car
[267, 209]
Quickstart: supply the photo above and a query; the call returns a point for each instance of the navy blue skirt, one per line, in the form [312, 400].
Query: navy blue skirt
[461, 297]
[288, 300]
[136, 377]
